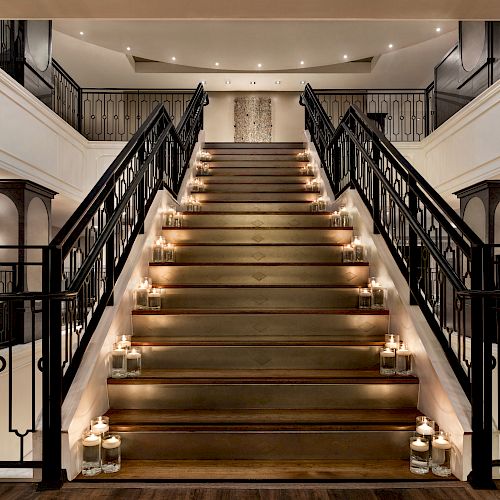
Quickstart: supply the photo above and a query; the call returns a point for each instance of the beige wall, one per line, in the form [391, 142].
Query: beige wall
[287, 116]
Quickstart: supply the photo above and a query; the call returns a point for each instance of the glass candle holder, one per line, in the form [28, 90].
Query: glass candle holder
[345, 217]
[392, 340]
[335, 219]
[141, 294]
[419, 455]
[118, 361]
[134, 362]
[425, 427]
[197, 206]
[190, 204]
[404, 360]
[154, 299]
[111, 453]
[314, 206]
[205, 169]
[99, 425]
[441, 454]
[378, 294]
[178, 218]
[158, 249]
[387, 361]
[169, 252]
[359, 249]
[91, 454]
[124, 341]
[321, 204]
[347, 253]
[169, 217]
[365, 298]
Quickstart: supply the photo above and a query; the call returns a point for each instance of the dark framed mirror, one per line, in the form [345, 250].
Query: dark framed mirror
[39, 43]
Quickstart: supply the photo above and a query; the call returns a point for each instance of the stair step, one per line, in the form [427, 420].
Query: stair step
[254, 197]
[276, 150]
[262, 340]
[308, 325]
[256, 158]
[271, 187]
[355, 274]
[265, 470]
[246, 169]
[257, 254]
[259, 298]
[260, 389]
[247, 206]
[260, 357]
[254, 146]
[296, 180]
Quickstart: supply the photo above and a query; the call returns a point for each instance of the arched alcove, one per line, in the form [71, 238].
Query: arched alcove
[497, 224]
[9, 235]
[475, 216]
[37, 233]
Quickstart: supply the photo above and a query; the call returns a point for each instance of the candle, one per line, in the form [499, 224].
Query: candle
[359, 250]
[154, 299]
[321, 204]
[205, 169]
[314, 206]
[419, 445]
[141, 293]
[178, 219]
[403, 360]
[169, 252]
[118, 361]
[124, 341]
[91, 454]
[335, 220]
[99, 425]
[365, 298]
[425, 427]
[391, 341]
[387, 361]
[419, 455]
[158, 249]
[441, 454]
[111, 454]
[378, 294]
[134, 358]
[171, 213]
[347, 253]
[345, 218]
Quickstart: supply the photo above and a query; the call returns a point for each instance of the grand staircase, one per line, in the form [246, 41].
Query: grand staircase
[260, 365]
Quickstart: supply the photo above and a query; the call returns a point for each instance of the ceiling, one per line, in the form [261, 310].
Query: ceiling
[254, 9]
[244, 45]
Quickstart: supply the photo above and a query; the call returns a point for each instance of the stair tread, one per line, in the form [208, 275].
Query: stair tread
[385, 470]
[267, 228]
[250, 376]
[260, 341]
[263, 264]
[374, 312]
[260, 416]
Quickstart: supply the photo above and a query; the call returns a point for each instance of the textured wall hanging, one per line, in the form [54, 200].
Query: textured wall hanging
[252, 119]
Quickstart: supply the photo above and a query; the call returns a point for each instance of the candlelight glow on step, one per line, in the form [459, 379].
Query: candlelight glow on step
[205, 156]
[192, 204]
[141, 293]
[403, 358]
[163, 251]
[307, 169]
[197, 186]
[173, 218]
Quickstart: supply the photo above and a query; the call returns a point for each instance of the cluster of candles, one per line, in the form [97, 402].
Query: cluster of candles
[395, 357]
[303, 156]
[341, 218]
[354, 251]
[147, 297]
[313, 186]
[430, 449]
[173, 218]
[101, 450]
[319, 205]
[163, 251]
[205, 156]
[307, 169]
[372, 296]
[197, 186]
[202, 168]
[193, 205]
[126, 361]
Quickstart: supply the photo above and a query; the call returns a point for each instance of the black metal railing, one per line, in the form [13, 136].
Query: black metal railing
[82, 263]
[439, 255]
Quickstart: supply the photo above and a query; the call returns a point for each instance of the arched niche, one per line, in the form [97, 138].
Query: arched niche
[497, 224]
[37, 233]
[9, 235]
[475, 216]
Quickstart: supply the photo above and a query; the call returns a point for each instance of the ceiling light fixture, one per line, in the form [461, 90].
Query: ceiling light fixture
[82, 33]
[173, 58]
[438, 29]
[391, 46]
[203, 82]
[345, 56]
[302, 82]
[277, 82]
[129, 49]
[216, 63]
[253, 83]
[228, 82]
[259, 65]
[302, 62]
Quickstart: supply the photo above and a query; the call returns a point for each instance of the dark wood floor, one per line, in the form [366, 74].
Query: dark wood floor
[151, 491]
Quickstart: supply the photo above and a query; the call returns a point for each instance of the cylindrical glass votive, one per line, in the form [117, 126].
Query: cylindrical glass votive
[335, 220]
[404, 360]
[425, 427]
[154, 299]
[345, 217]
[170, 216]
[321, 204]
[118, 361]
[365, 298]
[441, 454]
[134, 362]
[111, 453]
[392, 340]
[347, 253]
[387, 361]
[124, 341]
[359, 250]
[419, 455]
[169, 252]
[99, 425]
[91, 454]
[378, 294]
[141, 293]
[158, 249]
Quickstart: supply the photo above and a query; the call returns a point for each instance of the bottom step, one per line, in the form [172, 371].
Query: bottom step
[253, 470]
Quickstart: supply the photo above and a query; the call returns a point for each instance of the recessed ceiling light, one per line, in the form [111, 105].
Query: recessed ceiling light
[82, 33]
[302, 62]
[129, 49]
[253, 83]
[228, 82]
[203, 82]
[345, 56]
[277, 82]
[302, 82]
[173, 58]
[259, 65]
[216, 63]
[391, 46]
[438, 29]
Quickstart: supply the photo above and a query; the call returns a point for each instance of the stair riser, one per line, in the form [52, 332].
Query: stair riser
[261, 188]
[254, 146]
[258, 236]
[258, 298]
[333, 327]
[252, 357]
[296, 180]
[256, 161]
[292, 152]
[253, 197]
[256, 207]
[313, 445]
[260, 275]
[298, 395]
[258, 254]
